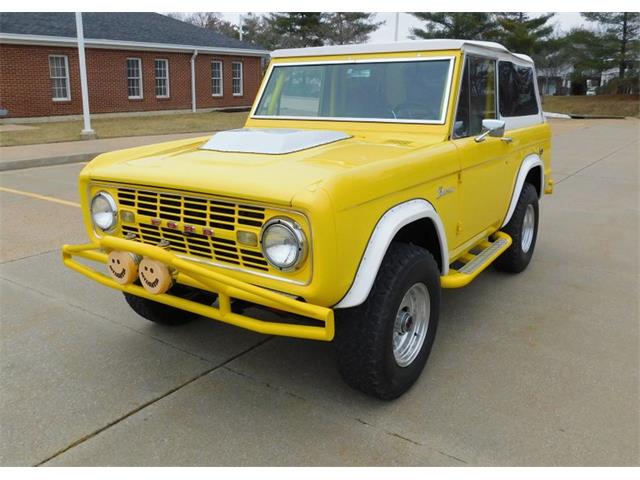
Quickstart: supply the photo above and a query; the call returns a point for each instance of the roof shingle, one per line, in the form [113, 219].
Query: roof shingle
[123, 26]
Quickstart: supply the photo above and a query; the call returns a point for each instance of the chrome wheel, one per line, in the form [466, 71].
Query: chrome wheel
[528, 227]
[411, 324]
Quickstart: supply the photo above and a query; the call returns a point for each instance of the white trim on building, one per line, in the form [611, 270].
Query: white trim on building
[161, 73]
[217, 76]
[59, 75]
[237, 79]
[134, 78]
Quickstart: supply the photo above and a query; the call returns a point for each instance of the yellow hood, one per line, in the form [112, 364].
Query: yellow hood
[272, 178]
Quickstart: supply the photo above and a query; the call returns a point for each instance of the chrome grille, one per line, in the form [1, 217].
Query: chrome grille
[191, 210]
[223, 218]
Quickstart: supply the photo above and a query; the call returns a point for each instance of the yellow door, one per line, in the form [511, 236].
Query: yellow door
[484, 178]
[519, 107]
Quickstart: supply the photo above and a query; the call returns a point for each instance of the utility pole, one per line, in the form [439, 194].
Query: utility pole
[395, 36]
[87, 132]
[240, 25]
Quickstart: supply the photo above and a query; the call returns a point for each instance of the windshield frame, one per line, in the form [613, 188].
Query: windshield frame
[443, 114]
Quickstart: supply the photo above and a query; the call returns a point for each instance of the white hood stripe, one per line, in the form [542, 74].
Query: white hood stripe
[270, 140]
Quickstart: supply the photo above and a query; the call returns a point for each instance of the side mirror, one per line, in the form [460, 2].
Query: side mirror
[492, 128]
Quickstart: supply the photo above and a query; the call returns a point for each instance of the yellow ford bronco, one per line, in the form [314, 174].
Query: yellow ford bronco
[366, 178]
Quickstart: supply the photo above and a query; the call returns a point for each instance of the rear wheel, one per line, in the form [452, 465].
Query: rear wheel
[383, 344]
[165, 314]
[523, 229]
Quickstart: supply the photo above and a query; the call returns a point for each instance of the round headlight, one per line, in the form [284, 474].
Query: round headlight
[283, 243]
[104, 211]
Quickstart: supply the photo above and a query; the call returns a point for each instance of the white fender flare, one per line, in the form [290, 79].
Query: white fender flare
[384, 232]
[530, 162]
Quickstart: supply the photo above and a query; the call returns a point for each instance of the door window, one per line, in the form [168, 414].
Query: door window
[477, 96]
[517, 90]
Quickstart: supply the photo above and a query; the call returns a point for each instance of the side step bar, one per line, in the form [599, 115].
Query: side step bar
[473, 264]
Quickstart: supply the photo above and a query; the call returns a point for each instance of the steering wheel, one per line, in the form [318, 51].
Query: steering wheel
[413, 110]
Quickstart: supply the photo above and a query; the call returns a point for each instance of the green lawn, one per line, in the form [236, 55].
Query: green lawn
[125, 127]
[617, 105]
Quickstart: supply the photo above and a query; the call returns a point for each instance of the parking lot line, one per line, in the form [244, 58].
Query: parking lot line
[40, 197]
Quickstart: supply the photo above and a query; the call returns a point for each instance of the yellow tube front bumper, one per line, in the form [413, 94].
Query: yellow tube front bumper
[192, 274]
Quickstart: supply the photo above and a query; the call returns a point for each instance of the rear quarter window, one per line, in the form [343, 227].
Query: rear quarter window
[516, 90]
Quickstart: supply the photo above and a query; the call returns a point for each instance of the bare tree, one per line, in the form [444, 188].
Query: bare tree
[210, 20]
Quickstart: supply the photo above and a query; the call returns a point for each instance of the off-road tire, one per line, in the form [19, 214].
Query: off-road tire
[515, 259]
[364, 334]
[165, 314]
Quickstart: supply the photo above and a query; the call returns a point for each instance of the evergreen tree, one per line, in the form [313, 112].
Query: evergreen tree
[255, 30]
[620, 32]
[521, 33]
[466, 26]
[225, 27]
[295, 29]
[348, 27]
[587, 51]
[588, 56]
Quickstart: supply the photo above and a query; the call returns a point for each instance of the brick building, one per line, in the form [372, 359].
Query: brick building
[136, 62]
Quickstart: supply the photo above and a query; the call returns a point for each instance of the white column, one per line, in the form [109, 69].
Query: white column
[193, 81]
[395, 35]
[87, 131]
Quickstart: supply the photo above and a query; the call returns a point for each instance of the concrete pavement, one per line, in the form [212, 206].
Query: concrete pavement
[540, 368]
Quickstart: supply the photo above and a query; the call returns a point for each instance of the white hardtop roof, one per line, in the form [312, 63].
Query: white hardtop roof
[414, 46]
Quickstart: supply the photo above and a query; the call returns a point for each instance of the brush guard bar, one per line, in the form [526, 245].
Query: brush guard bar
[192, 274]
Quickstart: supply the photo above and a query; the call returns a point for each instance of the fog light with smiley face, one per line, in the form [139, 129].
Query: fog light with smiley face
[154, 276]
[123, 266]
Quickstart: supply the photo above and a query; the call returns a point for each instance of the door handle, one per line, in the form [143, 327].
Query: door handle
[506, 139]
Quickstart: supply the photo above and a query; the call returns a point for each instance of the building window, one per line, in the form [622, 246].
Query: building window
[134, 77]
[216, 78]
[236, 78]
[59, 73]
[162, 78]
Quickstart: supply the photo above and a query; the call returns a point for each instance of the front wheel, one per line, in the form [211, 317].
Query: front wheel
[383, 344]
[165, 314]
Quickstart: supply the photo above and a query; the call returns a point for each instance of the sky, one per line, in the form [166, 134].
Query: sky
[386, 32]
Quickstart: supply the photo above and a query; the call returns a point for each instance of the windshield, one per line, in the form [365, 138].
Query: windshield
[401, 91]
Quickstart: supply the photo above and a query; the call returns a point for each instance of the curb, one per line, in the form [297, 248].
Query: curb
[556, 115]
[581, 116]
[596, 117]
[45, 162]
